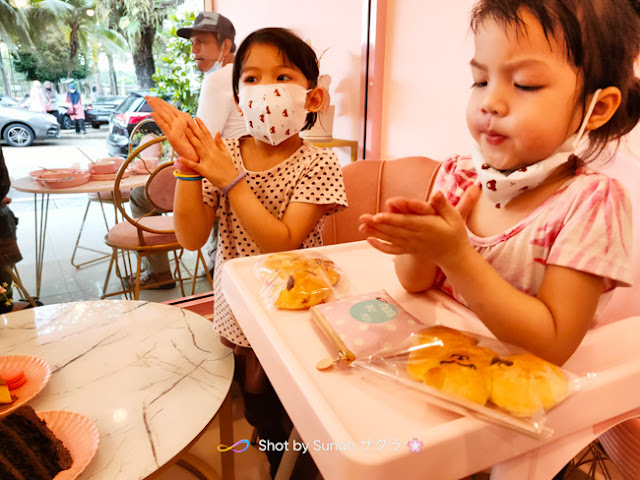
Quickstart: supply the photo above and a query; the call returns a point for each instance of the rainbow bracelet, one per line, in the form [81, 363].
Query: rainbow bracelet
[185, 176]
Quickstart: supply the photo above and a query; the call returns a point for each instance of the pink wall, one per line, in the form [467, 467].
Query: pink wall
[427, 79]
[426, 67]
[330, 24]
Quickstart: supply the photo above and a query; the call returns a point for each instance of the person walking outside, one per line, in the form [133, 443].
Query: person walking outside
[75, 109]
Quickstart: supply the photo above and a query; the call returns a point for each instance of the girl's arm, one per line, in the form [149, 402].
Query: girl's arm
[269, 233]
[400, 231]
[551, 324]
[192, 219]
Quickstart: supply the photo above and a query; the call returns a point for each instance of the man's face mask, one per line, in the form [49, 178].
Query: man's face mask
[216, 66]
[273, 113]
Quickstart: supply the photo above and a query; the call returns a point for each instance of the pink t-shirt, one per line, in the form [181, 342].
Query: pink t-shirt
[584, 225]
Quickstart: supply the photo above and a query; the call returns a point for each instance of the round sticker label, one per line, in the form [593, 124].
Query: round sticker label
[373, 311]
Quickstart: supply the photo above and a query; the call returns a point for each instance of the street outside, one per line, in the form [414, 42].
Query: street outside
[65, 151]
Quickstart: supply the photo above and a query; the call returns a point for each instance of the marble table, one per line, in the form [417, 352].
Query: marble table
[150, 376]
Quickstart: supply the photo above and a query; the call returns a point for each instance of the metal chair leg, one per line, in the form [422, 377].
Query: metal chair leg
[77, 246]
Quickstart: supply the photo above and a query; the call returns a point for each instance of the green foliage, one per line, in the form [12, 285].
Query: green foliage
[176, 76]
[48, 60]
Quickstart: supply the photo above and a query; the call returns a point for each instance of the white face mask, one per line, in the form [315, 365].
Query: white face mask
[216, 66]
[273, 113]
[502, 186]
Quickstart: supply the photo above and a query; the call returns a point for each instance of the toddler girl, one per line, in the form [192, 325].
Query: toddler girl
[270, 192]
[521, 231]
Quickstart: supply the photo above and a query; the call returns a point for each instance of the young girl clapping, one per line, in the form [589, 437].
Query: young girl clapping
[270, 192]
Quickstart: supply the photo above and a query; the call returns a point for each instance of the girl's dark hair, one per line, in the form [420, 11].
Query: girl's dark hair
[602, 40]
[292, 48]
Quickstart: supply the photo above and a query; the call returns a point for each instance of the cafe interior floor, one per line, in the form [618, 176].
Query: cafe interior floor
[62, 282]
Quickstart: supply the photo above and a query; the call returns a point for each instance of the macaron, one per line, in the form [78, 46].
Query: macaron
[13, 377]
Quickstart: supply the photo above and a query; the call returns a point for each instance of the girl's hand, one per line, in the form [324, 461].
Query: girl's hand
[434, 230]
[215, 162]
[173, 124]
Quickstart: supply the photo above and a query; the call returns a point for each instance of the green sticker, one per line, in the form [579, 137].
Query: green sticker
[374, 311]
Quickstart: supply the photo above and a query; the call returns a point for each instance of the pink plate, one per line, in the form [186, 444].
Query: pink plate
[108, 176]
[72, 180]
[54, 173]
[79, 434]
[37, 372]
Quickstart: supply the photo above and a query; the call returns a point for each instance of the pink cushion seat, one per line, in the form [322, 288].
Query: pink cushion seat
[125, 234]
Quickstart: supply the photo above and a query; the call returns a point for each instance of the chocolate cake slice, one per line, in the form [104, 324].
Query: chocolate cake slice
[29, 449]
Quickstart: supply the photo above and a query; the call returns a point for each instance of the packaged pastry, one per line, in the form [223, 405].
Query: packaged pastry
[460, 371]
[477, 375]
[359, 325]
[298, 280]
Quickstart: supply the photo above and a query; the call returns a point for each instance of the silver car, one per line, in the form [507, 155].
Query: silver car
[20, 127]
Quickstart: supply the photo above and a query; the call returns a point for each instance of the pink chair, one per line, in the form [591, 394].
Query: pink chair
[622, 442]
[149, 234]
[369, 183]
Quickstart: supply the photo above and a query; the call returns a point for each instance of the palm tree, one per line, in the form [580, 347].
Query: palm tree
[73, 15]
[14, 27]
[138, 21]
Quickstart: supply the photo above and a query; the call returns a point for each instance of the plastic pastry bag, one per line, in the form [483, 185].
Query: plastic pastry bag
[299, 280]
[476, 375]
[358, 326]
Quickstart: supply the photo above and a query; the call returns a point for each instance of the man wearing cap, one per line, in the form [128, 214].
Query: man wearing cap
[212, 46]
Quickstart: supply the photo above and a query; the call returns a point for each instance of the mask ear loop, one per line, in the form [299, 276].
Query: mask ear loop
[587, 115]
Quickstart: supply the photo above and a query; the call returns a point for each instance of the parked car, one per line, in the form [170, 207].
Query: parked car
[7, 101]
[98, 112]
[63, 118]
[20, 127]
[133, 109]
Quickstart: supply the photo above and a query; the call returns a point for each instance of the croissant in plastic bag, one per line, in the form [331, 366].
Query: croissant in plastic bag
[297, 280]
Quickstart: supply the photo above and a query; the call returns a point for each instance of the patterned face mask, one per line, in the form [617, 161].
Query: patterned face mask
[273, 113]
[500, 187]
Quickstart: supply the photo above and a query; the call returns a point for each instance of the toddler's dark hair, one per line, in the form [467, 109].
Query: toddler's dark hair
[602, 40]
[292, 48]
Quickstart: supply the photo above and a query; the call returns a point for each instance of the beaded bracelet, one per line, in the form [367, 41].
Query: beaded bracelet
[185, 176]
[226, 189]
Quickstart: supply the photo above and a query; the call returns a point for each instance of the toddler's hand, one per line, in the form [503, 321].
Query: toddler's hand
[380, 228]
[434, 230]
[215, 162]
[173, 124]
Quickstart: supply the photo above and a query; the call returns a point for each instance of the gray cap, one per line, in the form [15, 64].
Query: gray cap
[211, 22]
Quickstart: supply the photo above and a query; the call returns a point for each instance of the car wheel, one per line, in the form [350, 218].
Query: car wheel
[95, 125]
[66, 122]
[19, 135]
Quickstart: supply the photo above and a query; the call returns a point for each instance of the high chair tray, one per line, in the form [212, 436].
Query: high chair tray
[359, 426]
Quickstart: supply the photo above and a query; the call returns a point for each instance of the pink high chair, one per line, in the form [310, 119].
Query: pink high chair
[609, 350]
[606, 407]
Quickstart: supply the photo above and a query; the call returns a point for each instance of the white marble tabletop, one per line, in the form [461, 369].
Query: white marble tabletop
[150, 376]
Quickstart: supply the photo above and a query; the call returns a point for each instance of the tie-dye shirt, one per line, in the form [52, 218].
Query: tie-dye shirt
[585, 225]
